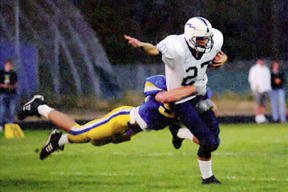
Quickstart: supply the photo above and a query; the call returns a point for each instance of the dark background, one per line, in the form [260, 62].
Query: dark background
[68, 37]
[252, 29]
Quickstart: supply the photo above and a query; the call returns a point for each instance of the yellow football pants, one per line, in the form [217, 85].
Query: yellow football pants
[101, 131]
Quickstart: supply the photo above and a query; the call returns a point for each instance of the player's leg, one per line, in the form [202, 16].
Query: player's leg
[115, 122]
[58, 118]
[202, 106]
[37, 107]
[113, 126]
[205, 164]
[206, 138]
[52, 144]
[185, 133]
[176, 140]
[56, 140]
[179, 133]
[210, 119]
[192, 120]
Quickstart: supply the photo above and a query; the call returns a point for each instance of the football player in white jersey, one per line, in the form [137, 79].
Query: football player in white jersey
[186, 59]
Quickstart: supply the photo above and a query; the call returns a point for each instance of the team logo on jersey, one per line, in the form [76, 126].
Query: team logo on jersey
[7, 79]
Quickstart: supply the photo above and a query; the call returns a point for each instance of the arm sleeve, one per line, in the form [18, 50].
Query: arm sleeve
[167, 50]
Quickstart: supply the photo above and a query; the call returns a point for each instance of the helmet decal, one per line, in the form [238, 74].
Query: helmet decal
[202, 19]
[195, 29]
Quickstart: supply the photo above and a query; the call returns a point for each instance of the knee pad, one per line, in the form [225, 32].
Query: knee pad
[205, 150]
[214, 147]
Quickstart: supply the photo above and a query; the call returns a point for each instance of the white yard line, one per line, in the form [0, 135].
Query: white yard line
[111, 174]
[156, 154]
[193, 154]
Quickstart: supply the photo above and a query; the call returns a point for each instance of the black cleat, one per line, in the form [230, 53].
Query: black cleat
[176, 141]
[211, 180]
[30, 108]
[51, 144]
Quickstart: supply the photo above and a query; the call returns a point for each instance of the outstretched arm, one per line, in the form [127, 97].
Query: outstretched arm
[148, 47]
[175, 94]
[219, 60]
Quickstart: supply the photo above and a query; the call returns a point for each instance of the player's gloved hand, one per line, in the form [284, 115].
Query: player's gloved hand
[200, 90]
[204, 105]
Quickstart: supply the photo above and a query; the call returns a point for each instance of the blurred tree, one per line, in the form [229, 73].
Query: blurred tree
[251, 28]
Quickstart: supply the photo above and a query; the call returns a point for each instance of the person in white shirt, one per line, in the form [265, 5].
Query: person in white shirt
[186, 59]
[260, 84]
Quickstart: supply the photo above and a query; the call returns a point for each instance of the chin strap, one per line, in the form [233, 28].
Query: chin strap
[197, 55]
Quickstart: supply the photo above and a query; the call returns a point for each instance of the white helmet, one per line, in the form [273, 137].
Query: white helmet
[198, 28]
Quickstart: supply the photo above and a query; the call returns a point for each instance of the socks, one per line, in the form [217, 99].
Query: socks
[260, 119]
[205, 168]
[63, 140]
[263, 118]
[184, 133]
[44, 110]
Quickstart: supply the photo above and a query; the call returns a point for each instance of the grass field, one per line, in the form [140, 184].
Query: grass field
[250, 158]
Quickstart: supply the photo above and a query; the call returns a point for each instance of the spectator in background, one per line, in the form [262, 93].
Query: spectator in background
[8, 86]
[277, 93]
[260, 83]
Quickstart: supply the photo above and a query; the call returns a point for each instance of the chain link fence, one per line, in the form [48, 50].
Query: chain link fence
[230, 78]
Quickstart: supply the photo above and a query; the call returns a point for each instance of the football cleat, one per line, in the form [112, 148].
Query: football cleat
[211, 180]
[51, 144]
[30, 108]
[176, 141]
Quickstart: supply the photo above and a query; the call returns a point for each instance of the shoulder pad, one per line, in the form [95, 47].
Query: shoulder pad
[170, 47]
[218, 39]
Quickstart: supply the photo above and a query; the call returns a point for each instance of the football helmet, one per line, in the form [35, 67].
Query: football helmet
[197, 29]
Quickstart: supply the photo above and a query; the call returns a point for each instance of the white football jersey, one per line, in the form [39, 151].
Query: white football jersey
[181, 67]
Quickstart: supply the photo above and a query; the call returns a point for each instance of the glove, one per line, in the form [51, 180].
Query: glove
[204, 105]
[200, 90]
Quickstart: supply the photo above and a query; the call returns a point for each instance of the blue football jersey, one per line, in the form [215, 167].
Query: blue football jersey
[156, 115]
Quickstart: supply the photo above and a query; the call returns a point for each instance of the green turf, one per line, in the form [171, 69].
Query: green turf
[250, 158]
